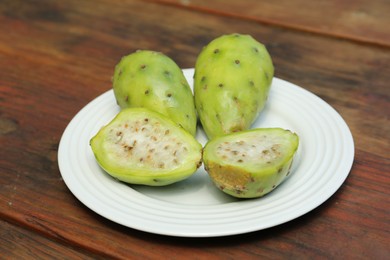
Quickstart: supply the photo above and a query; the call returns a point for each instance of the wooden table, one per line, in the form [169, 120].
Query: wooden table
[56, 56]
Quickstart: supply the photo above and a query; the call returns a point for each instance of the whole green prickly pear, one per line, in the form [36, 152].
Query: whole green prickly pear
[233, 75]
[250, 163]
[153, 80]
[141, 146]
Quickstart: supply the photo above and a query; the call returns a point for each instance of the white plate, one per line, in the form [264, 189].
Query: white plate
[194, 207]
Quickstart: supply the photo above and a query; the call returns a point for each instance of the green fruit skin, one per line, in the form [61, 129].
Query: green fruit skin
[233, 75]
[249, 181]
[153, 80]
[132, 172]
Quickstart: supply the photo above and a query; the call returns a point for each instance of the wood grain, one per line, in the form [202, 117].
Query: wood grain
[18, 243]
[362, 20]
[57, 56]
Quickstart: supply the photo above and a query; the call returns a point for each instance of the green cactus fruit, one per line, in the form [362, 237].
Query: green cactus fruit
[140, 146]
[153, 80]
[233, 75]
[250, 163]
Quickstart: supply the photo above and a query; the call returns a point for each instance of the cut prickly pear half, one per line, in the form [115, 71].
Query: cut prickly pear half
[251, 163]
[140, 146]
[233, 76]
[153, 80]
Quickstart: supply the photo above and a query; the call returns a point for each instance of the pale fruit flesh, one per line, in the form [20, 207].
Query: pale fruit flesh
[140, 146]
[250, 163]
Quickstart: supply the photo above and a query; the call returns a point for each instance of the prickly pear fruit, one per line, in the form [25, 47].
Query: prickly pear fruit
[153, 80]
[140, 146]
[233, 75]
[250, 163]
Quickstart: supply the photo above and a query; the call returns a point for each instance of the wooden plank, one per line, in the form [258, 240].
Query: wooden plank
[18, 243]
[362, 20]
[54, 60]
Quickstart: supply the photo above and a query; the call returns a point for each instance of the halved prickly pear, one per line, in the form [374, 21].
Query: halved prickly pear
[233, 75]
[140, 146]
[251, 163]
[152, 80]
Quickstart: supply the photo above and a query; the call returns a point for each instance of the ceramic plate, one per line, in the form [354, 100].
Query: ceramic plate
[195, 207]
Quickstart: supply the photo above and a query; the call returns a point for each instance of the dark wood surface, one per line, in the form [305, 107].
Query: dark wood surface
[56, 56]
[357, 20]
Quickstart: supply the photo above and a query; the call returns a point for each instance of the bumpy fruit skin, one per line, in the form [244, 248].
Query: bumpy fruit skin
[152, 80]
[140, 146]
[233, 75]
[251, 163]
